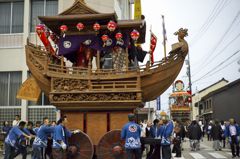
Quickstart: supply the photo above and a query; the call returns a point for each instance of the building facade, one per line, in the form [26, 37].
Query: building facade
[18, 21]
[222, 104]
[196, 98]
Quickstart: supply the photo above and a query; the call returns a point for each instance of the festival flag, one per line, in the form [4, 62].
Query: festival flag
[153, 43]
[137, 10]
[158, 103]
[164, 30]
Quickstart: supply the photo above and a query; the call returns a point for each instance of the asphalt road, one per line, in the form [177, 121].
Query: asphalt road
[206, 152]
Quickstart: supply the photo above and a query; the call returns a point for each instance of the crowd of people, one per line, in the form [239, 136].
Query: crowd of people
[47, 140]
[168, 136]
[164, 137]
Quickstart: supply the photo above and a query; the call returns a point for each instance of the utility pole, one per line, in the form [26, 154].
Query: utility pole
[189, 83]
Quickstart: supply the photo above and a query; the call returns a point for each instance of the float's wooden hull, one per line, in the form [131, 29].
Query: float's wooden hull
[101, 90]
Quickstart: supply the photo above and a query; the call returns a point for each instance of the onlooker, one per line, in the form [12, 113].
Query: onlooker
[165, 132]
[195, 135]
[216, 133]
[177, 140]
[131, 134]
[209, 127]
[223, 138]
[16, 120]
[6, 128]
[153, 134]
[232, 132]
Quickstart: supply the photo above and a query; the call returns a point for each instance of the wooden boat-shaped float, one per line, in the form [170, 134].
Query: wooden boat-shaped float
[85, 94]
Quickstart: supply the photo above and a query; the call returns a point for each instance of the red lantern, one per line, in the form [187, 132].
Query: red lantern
[40, 28]
[63, 29]
[96, 27]
[80, 26]
[104, 38]
[135, 35]
[118, 36]
[111, 25]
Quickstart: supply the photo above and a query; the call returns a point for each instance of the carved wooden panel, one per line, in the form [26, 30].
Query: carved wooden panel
[65, 84]
[118, 119]
[75, 120]
[93, 97]
[96, 126]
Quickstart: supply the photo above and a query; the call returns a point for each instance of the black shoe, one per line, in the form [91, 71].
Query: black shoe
[233, 156]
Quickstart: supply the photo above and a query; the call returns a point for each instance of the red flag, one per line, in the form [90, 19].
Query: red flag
[153, 43]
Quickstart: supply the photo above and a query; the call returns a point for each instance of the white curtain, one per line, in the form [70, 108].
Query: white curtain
[15, 83]
[4, 88]
[37, 9]
[17, 21]
[51, 7]
[5, 16]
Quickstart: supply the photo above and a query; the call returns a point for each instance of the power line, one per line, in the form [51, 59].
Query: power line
[216, 11]
[205, 23]
[236, 37]
[221, 39]
[223, 67]
[217, 66]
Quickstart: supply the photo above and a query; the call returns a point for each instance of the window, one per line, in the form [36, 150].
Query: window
[42, 100]
[11, 15]
[10, 82]
[41, 8]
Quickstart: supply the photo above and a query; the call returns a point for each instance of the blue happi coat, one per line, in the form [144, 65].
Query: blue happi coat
[131, 134]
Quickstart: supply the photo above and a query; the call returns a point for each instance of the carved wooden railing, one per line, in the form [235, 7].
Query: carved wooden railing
[42, 60]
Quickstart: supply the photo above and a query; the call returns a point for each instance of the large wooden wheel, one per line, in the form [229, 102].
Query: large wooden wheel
[111, 146]
[80, 146]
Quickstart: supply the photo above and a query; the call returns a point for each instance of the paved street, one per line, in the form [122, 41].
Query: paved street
[206, 152]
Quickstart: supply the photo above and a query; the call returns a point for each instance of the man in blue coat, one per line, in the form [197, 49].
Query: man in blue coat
[131, 133]
[60, 138]
[12, 140]
[40, 141]
[165, 133]
[232, 132]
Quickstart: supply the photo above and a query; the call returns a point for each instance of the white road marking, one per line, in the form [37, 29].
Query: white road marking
[216, 155]
[197, 155]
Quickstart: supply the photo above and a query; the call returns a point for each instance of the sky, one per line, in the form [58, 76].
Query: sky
[213, 37]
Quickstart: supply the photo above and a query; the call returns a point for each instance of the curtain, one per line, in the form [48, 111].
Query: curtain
[5, 16]
[3, 88]
[15, 83]
[17, 21]
[37, 9]
[51, 7]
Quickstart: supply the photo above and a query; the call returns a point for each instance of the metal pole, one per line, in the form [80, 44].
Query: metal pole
[149, 111]
[190, 83]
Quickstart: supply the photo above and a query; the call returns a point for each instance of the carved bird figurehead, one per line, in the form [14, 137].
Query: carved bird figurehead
[182, 33]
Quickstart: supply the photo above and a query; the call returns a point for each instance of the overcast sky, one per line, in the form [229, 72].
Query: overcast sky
[214, 30]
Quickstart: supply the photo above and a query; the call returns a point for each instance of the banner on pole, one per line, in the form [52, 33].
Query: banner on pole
[137, 10]
[158, 103]
[153, 43]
